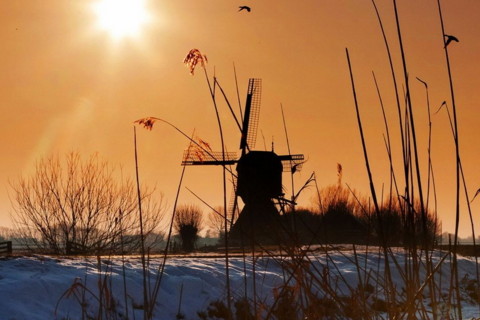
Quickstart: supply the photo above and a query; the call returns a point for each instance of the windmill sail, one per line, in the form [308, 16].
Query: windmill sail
[198, 157]
[252, 113]
[233, 210]
[292, 163]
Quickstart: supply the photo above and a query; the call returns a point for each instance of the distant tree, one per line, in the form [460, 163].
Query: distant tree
[216, 222]
[78, 205]
[188, 223]
[6, 233]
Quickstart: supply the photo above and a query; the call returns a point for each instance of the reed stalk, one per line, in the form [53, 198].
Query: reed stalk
[458, 162]
[161, 269]
[388, 275]
[429, 242]
[146, 306]
[291, 162]
[124, 278]
[412, 125]
[469, 207]
[224, 184]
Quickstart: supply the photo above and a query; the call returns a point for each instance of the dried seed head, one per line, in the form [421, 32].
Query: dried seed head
[147, 122]
[194, 57]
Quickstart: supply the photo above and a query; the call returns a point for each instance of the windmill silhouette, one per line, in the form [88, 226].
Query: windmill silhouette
[258, 181]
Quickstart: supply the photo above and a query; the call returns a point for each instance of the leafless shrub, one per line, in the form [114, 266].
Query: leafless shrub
[216, 222]
[78, 206]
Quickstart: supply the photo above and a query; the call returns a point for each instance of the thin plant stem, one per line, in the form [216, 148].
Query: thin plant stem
[206, 203]
[320, 206]
[123, 264]
[228, 104]
[472, 225]
[161, 268]
[429, 242]
[429, 148]
[179, 311]
[393, 180]
[394, 79]
[412, 121]
[238, 93]
[224, 169]
[146, 306]
[412, 130]
[458, 166]
[289, 153]
[370, 178]
[360, 127]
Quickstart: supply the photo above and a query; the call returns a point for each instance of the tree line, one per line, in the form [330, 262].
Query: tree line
[82, 205]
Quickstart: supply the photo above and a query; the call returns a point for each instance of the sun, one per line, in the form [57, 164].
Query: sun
[121, 18]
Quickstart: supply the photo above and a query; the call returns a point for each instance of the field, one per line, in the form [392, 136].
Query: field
[45, 287]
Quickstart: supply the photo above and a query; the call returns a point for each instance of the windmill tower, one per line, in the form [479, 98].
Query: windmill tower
[259, 176]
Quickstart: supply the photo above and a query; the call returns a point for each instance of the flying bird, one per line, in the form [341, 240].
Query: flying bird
[450, 39]
[245, 8]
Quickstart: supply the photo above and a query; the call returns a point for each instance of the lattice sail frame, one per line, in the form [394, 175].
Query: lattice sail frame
[292, 163]
[211, 158]
[252, 114]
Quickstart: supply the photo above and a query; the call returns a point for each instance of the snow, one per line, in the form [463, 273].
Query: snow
[37, 287]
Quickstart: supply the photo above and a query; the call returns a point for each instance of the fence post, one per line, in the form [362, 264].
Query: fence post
[6, 247]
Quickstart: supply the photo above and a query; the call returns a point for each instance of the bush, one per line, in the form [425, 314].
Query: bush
[77, 206]
[188, 220]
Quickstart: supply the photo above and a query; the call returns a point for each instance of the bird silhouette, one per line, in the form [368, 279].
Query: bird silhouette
[449, 39]
[245, 8]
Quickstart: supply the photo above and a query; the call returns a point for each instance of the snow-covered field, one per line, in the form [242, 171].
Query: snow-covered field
[37, 287]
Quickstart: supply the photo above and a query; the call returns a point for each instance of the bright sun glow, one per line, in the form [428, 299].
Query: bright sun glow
[121, 18]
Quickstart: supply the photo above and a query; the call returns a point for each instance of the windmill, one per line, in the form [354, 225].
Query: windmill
[259, 175]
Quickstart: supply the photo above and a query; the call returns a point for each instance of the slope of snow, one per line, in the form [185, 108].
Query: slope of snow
[43, 287]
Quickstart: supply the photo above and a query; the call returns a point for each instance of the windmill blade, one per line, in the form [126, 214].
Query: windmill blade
[252, 113]
[292, 163]
[198, 157]
[233, 210]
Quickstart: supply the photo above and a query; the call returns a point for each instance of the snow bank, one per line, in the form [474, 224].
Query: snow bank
[40, 287]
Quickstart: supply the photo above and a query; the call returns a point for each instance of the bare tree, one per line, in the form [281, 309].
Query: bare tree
[188, 223]
[78, 205]
[216, 222]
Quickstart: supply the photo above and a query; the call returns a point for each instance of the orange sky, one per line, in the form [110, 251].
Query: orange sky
[67, 85]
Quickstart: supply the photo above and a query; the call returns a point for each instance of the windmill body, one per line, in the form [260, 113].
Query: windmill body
[259, 176]
[258, 179]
